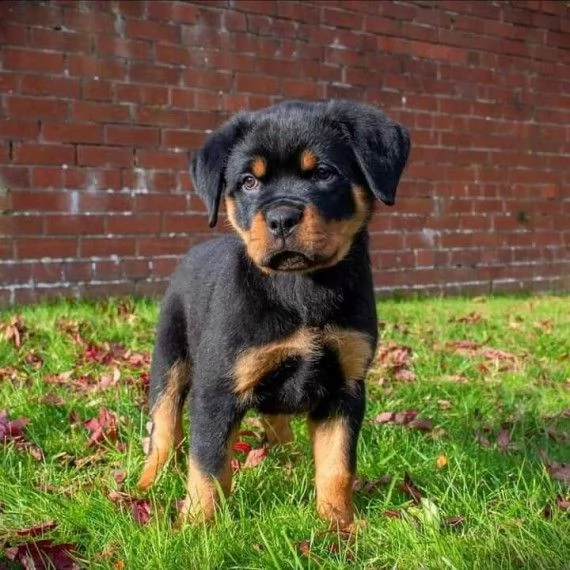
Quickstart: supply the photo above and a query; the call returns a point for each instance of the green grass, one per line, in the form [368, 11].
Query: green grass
[500, 494]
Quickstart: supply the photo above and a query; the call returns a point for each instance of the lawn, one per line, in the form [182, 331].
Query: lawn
[463, 459]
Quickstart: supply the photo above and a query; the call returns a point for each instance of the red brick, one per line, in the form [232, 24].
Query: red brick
[160, 203]
[182, 138]
[161, 117]
[249, 83]
[14, 225]
[58, 40]
[147, 94]
[46, 177]
[91, 22]
[48, 85]
[97, 90]
[15, 177]
[153, 73]
[40, 108]
[131, 136]
[30, 201]
[136, 268]
[139, 224]
[158, 159]
[134, 50]
[88, 111]
[103, 156]
[72, 132]
[14, 129]
[30, 60]
[150, 30]
[104, 202]
[104, 247]
[85, 66]
[34, 153]
[73, 225]
[40, 247]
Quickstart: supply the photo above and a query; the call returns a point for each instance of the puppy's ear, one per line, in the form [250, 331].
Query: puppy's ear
[208, 166]
[381, 146]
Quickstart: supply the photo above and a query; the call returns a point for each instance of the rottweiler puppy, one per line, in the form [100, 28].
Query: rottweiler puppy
[281, 317]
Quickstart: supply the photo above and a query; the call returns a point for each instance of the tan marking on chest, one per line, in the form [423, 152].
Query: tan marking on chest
[354, 351]
[256, 362]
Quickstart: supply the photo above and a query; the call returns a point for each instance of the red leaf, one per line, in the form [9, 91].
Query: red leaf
[37, 529]
[304, 548]
[140, 509]
[421, 424]
[560, 472]
[408, 487]
[11, 429]
[242, 446]
[119, 475]
[102, 428]
[255, 457]
[404, 375]
[504, 439]
[393, 514]
[384, 418]
[402, 418]
[43, 555]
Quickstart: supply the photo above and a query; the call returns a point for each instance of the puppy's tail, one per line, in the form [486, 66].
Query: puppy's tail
[169, 385]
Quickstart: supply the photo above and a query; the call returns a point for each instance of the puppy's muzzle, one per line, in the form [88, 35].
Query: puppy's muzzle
[282, 220]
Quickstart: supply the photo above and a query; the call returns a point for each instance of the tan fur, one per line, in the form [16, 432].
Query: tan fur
[308, 160]
[354, 350]
[259, 167]
[255, 362]
[202, 494]
[332, 239]
[277, 429]
[333, 479]
[166, 417]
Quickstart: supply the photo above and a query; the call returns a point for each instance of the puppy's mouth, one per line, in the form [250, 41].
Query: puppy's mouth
[290, 261]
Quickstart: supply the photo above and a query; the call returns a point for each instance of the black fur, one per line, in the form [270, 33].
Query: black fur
[220, 303]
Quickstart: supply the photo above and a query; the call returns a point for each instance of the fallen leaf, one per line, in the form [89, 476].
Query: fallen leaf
[43, 555]
[304, 548]
[454, 521]
[504, 439]
[563, 503]
[242, 447]
[409, 488]
[14, 331]
[472, 318]
[255, 457]
[140, 509]
[404, 375]
[444, 404]
[369, 487]
[560, 472]
[421, 424]
[119, 475]
[441, 461]
[38, 529]
[384, 418]
[104, 428]
[393, 514]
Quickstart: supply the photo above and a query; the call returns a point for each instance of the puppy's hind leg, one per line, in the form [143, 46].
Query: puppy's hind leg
[169, 385]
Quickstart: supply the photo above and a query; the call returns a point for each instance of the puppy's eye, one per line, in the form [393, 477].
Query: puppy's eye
[250, 183]
[324, 174]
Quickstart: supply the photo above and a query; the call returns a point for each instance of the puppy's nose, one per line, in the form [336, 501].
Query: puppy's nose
[283, 220]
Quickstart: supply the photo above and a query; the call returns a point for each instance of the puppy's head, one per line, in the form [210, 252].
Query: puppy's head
[299, 179]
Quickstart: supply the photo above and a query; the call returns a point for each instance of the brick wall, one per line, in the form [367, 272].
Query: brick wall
[100, 102]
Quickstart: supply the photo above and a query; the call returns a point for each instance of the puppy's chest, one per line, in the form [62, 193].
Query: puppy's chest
[294, 373]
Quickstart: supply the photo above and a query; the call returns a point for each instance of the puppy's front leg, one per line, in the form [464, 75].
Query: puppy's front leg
[214, 426]
[334, 438]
